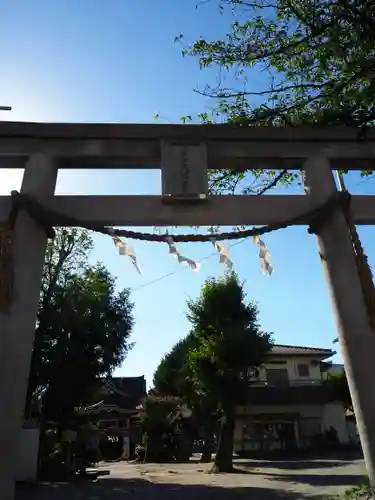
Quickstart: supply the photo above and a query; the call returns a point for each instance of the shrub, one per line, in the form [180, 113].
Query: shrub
[140, 453]
[360, 492]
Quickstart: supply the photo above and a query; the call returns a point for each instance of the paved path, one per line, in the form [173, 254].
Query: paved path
[258, 480]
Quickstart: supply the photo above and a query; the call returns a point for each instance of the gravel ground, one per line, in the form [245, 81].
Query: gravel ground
[255, 479]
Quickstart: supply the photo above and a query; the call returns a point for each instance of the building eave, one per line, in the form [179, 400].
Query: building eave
[289, 351]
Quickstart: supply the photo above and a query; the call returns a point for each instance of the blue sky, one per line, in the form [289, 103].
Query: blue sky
[116, 61]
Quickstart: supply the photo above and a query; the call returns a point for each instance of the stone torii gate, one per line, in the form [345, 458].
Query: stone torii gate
[183, 153]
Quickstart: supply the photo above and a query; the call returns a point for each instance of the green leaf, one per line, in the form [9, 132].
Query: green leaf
[319, 57]
[83, 327]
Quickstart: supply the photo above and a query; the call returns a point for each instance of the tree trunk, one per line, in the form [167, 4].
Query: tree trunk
[223, 460]
[208, 443]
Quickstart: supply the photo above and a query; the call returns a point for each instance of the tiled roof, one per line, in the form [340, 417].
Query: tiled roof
[132, 389]
[279, 349]
[132, 386]
[125, 393]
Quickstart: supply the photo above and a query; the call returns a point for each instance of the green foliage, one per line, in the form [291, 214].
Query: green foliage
[65, 255]
[83, 328]
[362, 491]
[320, 55]
[90, 329]
[173, 376]
[161, 428]
[229, 344]
[339, 384]
[316, 59]
[157, 412]
[140, 453]
[229, 338]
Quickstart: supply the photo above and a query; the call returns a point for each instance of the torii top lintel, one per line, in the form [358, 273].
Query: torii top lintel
[95, 145]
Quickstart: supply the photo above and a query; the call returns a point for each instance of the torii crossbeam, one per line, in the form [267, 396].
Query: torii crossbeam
[184, 153]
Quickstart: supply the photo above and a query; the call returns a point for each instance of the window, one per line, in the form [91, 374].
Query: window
[277, 376]
[303, 370]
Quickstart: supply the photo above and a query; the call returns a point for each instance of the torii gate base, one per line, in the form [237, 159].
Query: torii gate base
[43, 148]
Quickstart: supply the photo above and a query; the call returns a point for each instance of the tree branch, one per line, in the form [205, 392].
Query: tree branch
[272, 184]
[222, 94]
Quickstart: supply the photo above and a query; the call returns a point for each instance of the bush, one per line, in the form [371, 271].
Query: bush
[53, 464]
[140, 453]
[361, 492]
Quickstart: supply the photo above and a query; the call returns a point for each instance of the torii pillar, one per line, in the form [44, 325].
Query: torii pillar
[17, 327]
[356, 336]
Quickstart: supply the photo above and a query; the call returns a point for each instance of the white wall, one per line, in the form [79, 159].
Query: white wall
[334, 415]
[27, 464]
[306, 411]
[353, 431]
[291, 366]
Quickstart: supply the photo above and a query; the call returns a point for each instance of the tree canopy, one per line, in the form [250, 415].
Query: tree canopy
[339, 384]
[316, 61]
[172, 376]
[65, 255]
[229, 344]
[83, 327]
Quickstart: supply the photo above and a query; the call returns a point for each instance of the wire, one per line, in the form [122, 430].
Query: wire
[164, 276]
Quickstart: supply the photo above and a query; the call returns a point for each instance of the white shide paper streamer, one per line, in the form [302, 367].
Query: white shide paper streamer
[264, 255]
[224, 258]
[223, 253]
[127, 251]
[181, 259]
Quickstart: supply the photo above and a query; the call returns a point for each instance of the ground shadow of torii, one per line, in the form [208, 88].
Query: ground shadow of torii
[140, 489]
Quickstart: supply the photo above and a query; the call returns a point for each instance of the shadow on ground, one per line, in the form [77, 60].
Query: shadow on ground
[290, 464]
[301, 459]
[138, 489]
[317, 479]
